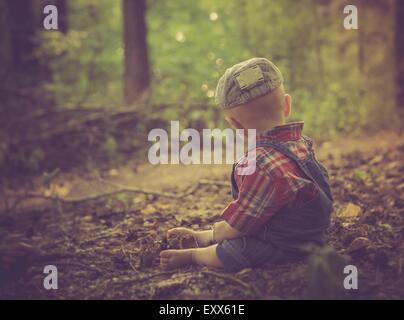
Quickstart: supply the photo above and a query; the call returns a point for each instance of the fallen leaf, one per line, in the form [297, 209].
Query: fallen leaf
[360, 175]
[113, 172]
[164, 206]
[350, 211]
[62, 189]
[149, 209]
[358, 244]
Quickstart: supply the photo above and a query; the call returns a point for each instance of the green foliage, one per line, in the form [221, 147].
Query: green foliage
[325, 274]
[360, 175]
[86, 62]
[192, 43]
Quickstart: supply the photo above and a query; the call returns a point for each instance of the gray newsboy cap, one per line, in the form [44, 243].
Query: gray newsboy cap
[247, 81]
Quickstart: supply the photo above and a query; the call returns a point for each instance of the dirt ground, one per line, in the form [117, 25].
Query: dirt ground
[106, 247]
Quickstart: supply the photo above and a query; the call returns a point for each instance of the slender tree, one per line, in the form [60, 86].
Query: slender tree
[5, 48]
[22, 27]
[377, 51]
[63, 11]
[21, 70]
[399, 42]
[137, 74]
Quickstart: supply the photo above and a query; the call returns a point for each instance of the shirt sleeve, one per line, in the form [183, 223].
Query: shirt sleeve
[260, 197]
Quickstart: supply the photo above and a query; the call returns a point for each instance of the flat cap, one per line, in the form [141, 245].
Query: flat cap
[247, 81]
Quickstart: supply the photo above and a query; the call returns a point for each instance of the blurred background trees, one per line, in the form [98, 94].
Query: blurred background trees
[168, 55]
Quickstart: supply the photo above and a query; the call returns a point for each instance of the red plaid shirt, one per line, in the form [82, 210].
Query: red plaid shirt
[277, 181]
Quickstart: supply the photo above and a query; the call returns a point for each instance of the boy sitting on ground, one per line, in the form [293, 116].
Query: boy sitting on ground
[285, 203]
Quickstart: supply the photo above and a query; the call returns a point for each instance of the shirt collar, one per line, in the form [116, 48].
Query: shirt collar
[283, 133]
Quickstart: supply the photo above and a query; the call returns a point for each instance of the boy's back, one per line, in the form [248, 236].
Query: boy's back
[276, 182]
[282, 205]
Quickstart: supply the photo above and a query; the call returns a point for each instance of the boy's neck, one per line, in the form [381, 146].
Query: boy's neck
[266, 126]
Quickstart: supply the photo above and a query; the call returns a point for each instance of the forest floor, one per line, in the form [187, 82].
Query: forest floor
[107, 247]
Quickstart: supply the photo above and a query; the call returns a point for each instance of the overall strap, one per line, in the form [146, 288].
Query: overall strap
[278, 147]
[234, 188]
[285, 151]
[319, 180]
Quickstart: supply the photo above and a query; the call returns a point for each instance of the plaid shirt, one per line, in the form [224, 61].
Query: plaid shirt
[277, 181]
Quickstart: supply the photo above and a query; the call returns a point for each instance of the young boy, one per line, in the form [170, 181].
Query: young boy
[285, 203]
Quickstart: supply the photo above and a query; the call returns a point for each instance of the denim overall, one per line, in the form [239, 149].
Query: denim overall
[282, 239]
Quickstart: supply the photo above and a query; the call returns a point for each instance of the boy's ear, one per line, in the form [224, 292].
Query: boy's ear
[288, 105]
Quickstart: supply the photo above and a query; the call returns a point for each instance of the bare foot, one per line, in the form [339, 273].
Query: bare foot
[171, 259]
[202, 238]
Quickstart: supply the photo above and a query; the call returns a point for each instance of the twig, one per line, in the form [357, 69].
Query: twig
[105, 234]
[183, 274]
[82, 265]
[123, 189]
[128, 258]
[72, 119]
[232, 278]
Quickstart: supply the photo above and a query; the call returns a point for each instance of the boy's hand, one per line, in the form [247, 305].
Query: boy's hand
[202, 238]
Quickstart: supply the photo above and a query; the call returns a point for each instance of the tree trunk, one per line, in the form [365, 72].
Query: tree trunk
[63, 11]
[5, 48]
[399, 42]
[22, 27]
[22, 71]
[376, 25]
[137, 74]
